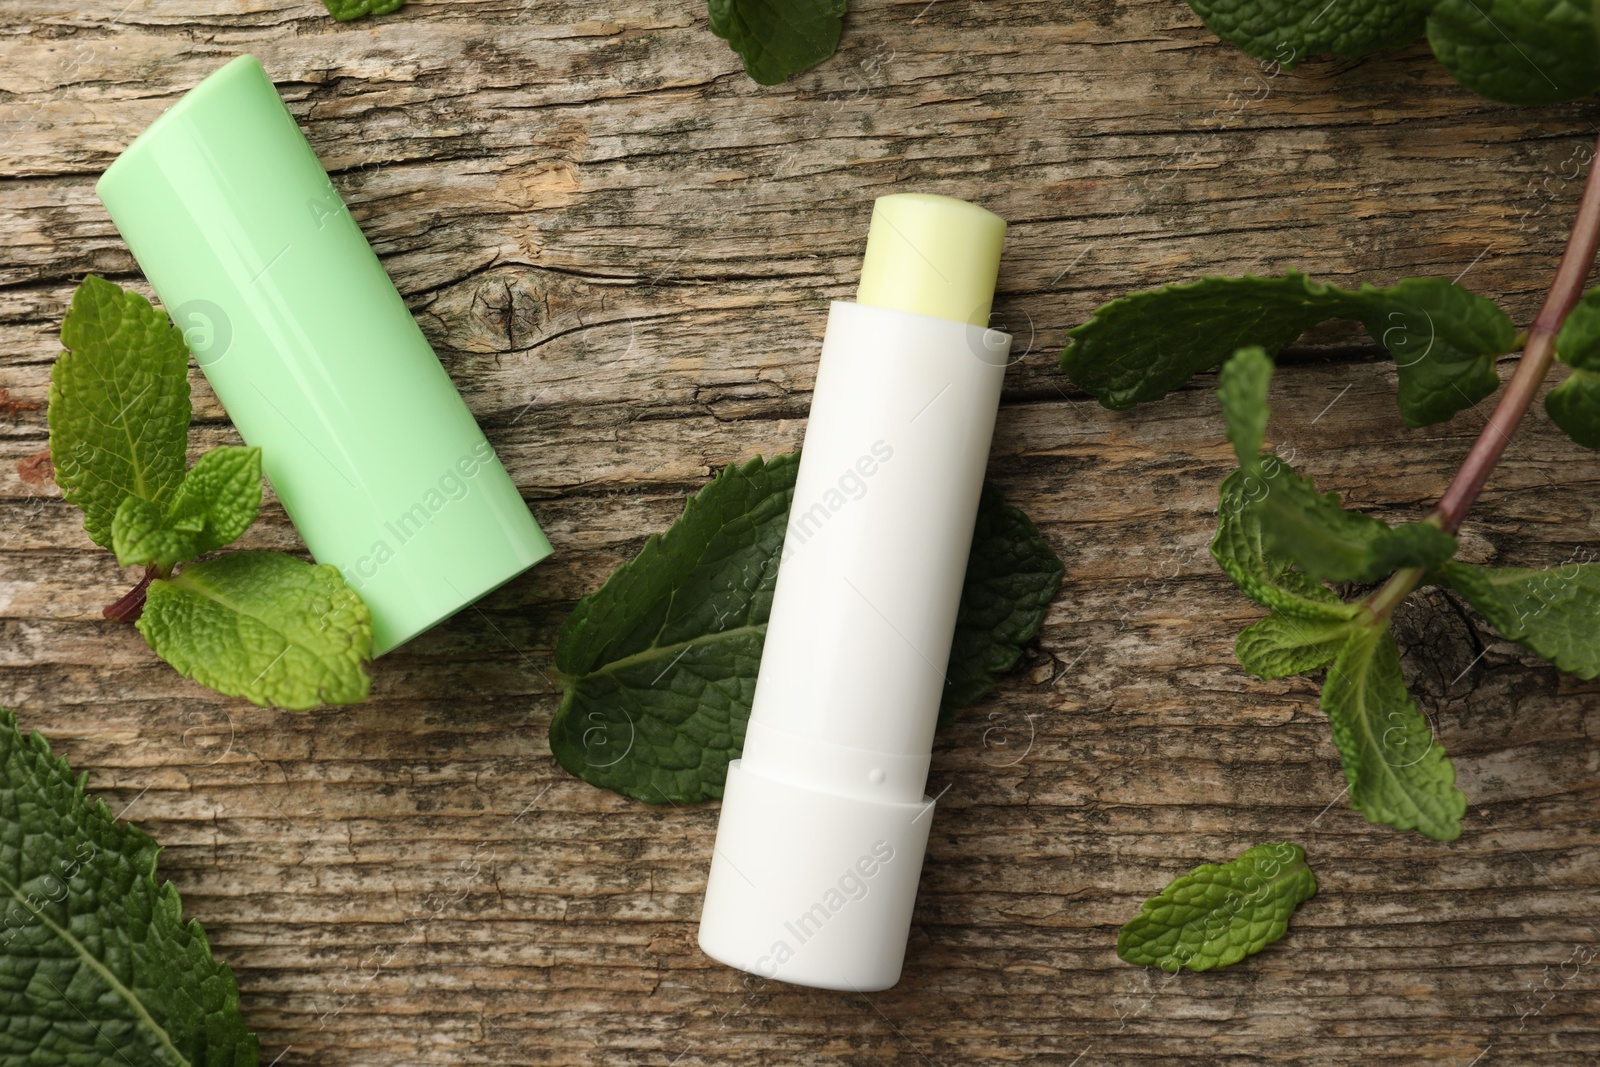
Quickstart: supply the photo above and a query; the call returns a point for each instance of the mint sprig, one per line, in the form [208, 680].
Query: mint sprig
[264, 626]
[659, 665]
[1218, 914]
[96, 963]
[347, 10]
[1286, 31]
[1574, 405]
[1443, 339]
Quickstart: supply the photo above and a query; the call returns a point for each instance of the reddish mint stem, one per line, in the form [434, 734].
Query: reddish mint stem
[1535, 363]
[130, 606]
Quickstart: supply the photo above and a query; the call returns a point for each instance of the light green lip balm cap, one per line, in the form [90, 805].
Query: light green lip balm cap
[315, 357]
[932, 255]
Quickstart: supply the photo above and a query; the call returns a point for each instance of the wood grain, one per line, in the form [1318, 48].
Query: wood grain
[622, 250]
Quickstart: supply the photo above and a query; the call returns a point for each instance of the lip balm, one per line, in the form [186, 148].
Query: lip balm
[316, 358]
[824, 817]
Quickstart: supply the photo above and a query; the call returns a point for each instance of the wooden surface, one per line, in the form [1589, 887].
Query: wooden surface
[622, 250]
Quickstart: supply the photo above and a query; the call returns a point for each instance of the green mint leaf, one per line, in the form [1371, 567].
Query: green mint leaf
[1315, 532]
[659, 665]
[1288, 31]
[119, 404]
[1280, 645]
[1574, 405]
[1303, 526]
[1242, 392]
[216, 503]
[1241, 550]
[1518, 51]
[1399, 775]
[1552, 612]
[346, 10]
[1444, 342]
[1218, 914]
[1012, 576]
[97, 965]
[263, 626]
[777, 38]
[1139, 348]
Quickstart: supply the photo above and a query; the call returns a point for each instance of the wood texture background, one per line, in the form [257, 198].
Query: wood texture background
[622, 250]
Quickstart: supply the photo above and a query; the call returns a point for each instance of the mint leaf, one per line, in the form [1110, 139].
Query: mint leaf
[777, 38]
[1301, 525]
[1551, 612]
[97, 965]
[1574, 405]
[1139, 348]
[1399, 775]
[1242, 392]
[217, 502]
[1518, 51]
[1265, 576]
[1315, 532]
[1012, 576]
[1444, 342]
[346, 10]
[119, 404]
[263, 626]
[1218, 914]
[659, 665]
[1280, 645]
[1290, 30]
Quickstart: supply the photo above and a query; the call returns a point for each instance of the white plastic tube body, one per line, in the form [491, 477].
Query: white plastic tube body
[831, 783]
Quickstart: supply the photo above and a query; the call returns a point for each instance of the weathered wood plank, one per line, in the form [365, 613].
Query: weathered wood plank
[622, 250]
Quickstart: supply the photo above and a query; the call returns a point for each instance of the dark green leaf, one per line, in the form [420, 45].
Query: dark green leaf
[345, 10]
[1143, 346]
[1574, 405]
[659, 665]
[1518, 51]
[1218, 914]
[263, 626]
[777, 38]
[1555, 612]
[119, 405]
[1287, 31]
[1012, 576]
[97, 966]
[1399, 775]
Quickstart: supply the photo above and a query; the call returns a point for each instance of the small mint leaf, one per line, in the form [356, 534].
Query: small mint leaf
[1242, 392]
[1399, 775]
[119, 405]
[219, 496]
[216, 503]
[140, 536]
[1552, 612]
[1280, 645]
[1241, 550]
[659, 665]
[1218, 914]
[346, 10]
[1574, 405]
[1142, 346]
[1518, 51]
[777, 39]
[263, 626]
[97, 965]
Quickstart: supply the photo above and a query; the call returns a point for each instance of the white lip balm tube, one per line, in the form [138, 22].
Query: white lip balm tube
[824, 818]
